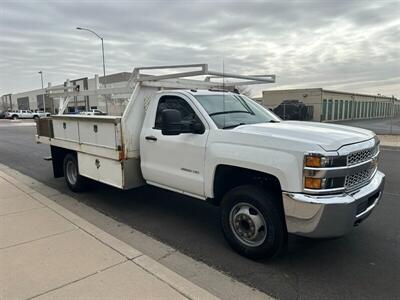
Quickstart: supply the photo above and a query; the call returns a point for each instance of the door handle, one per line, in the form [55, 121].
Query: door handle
[151, 138]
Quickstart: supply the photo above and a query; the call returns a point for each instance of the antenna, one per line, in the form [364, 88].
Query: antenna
[223, 74]
[223, 89]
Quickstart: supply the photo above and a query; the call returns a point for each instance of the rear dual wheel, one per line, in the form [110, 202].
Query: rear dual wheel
[252, 222]
[75, 181]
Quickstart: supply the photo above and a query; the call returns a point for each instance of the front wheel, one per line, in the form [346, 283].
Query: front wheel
[75, 182]
[253, 223]
[15, 117]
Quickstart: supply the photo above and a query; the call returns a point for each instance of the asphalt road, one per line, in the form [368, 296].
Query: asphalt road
[364, 264]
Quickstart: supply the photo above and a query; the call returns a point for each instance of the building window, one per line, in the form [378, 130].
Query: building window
[363, 109]
[324, 107]
[346, 109]
[340, 110]
[351, 113]
[372, 113]
[371, 109]
[336, 109]
[330, 109]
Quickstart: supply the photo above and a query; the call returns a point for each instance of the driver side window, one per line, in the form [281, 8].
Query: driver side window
[175, 102]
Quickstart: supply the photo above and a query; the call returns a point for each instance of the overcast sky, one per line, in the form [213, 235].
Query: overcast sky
[337, 44]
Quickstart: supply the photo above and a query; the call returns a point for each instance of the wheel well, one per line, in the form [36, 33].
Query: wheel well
[227, 177]
[58, 154]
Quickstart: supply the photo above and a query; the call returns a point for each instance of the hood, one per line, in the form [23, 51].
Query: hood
[328, 136]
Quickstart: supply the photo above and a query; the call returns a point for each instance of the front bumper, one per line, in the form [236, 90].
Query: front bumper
[331, 215]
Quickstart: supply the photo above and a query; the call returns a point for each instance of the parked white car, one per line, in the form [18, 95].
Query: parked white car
[93, 112]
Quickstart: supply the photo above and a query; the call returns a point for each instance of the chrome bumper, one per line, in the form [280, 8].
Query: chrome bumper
[331, 215]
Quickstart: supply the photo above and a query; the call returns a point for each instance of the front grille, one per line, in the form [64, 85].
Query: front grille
[359, 178]
[360, 156]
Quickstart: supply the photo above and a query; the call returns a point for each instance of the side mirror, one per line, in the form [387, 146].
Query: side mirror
[171, 122]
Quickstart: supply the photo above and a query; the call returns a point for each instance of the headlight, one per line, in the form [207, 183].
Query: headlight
[320, 161]
[315, 161]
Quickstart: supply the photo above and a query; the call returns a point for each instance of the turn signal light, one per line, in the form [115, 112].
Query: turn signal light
[313, 161]
[313, 183]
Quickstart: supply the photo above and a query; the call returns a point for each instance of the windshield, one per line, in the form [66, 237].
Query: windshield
[229, 111]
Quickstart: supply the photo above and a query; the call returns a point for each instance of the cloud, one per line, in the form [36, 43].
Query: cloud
[349, 45]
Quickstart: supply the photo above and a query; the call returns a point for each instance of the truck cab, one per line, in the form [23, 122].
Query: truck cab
[269, 177]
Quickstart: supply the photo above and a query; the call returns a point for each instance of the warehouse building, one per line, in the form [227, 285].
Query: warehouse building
[327, 105]
[314, 104]
[33, 100]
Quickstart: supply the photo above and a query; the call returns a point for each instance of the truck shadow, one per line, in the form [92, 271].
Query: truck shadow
[192, 227]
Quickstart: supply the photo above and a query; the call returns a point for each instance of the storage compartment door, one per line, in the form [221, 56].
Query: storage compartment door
[103, 134]
[66, 130]
[101, 169]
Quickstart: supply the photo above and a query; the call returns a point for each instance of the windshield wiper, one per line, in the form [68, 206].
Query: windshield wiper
[233, 126]
[230, 112]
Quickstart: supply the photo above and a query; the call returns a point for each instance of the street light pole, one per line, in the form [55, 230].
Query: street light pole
[44, 102]
[104, 65]
[102, 49]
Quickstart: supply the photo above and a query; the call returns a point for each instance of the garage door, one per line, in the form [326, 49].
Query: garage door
[23, 103]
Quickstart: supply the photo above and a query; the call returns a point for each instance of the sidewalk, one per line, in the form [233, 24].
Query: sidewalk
[47, 252]
[392, 141]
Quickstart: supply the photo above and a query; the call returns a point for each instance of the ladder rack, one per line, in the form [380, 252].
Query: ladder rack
[167, 81]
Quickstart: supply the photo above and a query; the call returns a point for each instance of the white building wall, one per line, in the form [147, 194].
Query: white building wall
[335, 105]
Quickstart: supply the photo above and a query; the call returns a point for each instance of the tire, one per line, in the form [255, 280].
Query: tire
[36, 118]
[75, 182]
[253, 223]
[14, 117]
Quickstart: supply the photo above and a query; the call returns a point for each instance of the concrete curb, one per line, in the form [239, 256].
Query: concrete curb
[387, 147]
[218, 283]
[175, 281]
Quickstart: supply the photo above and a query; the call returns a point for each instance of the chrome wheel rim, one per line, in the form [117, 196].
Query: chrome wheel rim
[72, 172]
[248, 224]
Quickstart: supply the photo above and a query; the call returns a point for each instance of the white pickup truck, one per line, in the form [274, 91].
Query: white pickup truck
[26, 114]
[269, 177]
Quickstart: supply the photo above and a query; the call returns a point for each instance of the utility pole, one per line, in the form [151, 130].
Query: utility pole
[102, 51]
[43, 95]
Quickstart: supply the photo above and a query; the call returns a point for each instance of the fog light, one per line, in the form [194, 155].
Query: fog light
[313, 183]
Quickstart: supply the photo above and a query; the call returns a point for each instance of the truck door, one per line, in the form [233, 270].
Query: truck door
[25, 114]
[174, 161]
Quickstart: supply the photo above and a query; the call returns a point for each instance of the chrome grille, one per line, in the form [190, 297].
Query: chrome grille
[358, 178]
[360, 156]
